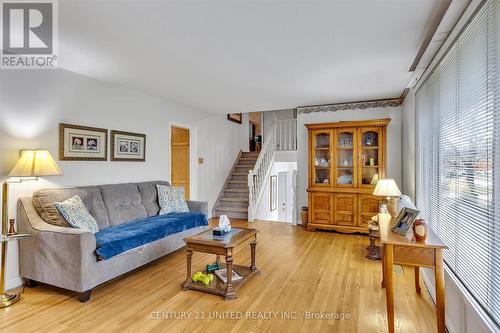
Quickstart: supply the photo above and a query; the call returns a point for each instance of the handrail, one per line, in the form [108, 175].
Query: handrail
[258, 175]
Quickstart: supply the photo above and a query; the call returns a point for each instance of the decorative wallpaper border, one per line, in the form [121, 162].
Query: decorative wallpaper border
[351, 106]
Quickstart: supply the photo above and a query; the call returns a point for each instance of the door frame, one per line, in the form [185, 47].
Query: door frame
[193, 157]
[283, 194]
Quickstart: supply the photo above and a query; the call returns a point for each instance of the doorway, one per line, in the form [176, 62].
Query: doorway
[179, 158]
[255, 131]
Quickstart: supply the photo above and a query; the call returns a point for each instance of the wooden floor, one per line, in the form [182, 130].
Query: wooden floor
[316, 272]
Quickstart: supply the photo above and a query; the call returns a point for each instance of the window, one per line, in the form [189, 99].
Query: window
[458, 136]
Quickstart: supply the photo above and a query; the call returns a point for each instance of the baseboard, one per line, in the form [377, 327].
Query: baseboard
[14, 283]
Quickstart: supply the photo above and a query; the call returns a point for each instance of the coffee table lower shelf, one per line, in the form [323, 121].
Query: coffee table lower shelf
[217, 287]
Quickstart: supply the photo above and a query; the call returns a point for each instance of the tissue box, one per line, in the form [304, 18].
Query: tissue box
[219, 232]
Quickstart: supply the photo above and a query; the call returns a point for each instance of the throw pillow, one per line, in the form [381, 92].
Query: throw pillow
[171, 199]
[43, 200]
[76, 214]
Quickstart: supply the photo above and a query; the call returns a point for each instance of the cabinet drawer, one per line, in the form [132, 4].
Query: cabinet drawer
[321, 217]
[322, 208]
[368, 207]
[344, 219]
[344, 203]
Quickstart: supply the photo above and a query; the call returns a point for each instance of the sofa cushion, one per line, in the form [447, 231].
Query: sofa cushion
[149, 196]
[121, 238]
[97, 208]
[76, 214]
[171, 199]
[44, 200]
[123, 203]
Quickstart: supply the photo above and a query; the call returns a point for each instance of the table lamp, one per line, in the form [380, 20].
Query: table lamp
[388, 188]
[31, 165]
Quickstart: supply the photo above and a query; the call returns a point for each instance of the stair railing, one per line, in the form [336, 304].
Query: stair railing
[257, 177]
[285, 134]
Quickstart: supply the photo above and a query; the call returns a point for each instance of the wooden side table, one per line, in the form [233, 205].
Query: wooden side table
[401, 250]
[222, 246]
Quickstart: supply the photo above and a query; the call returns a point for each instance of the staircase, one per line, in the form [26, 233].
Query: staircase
[233, 200]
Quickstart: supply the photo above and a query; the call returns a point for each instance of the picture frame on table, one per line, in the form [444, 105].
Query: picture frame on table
[404, 221]
[82, 143]
[128, 146]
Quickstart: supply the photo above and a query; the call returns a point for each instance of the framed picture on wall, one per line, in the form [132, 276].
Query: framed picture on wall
[128, 147]
[236, 117]
[273, 195]
[81, 143]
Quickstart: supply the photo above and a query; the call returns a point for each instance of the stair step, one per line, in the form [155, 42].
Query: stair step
[239, 178]
[238, 190]
[232, 209]
[238, 181]
[240, 174]
[235, 199]
[233, 215]
[248, 159]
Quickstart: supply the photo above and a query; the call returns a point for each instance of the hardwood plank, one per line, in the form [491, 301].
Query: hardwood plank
[300, 272]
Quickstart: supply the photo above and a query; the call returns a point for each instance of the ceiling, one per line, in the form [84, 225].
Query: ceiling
[240, 56]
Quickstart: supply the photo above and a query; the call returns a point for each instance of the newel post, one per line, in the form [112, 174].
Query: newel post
[250, 195]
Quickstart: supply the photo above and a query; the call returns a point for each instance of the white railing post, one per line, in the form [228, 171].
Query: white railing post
[250, 195]
[286, 135]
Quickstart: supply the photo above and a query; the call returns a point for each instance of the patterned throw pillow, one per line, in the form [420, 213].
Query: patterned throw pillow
[76, 214]
[171, 199]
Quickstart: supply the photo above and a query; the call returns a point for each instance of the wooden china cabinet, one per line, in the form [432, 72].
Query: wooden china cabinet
[346, 159]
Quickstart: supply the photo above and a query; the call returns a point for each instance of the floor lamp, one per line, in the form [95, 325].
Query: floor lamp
[31, 165]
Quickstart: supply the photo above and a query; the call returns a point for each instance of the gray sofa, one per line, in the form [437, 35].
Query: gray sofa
[64, 256]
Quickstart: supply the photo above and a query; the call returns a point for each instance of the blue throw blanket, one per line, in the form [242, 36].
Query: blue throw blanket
[123, 237]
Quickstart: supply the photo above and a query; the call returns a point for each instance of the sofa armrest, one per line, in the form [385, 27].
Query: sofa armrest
[54, 255]
[198, 206]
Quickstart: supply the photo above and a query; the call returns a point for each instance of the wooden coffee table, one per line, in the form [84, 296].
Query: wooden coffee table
[222, 246]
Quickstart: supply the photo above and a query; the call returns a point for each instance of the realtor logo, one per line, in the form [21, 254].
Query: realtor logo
[29, 34]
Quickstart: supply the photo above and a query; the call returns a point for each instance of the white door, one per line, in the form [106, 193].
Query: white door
[282, 196]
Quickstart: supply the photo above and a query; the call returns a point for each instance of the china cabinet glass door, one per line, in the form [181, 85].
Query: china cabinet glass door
[322, 157]
[345, 163]
[370, 157]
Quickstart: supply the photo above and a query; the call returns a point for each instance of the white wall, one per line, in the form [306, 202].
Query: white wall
[408, 147]
[33, 103]
[219, 144]
[393, 140]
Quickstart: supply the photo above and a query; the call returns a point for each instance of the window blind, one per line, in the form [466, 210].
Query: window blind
[458, 185]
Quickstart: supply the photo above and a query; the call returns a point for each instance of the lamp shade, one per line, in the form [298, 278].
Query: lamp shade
[387, 188]
[35, 163]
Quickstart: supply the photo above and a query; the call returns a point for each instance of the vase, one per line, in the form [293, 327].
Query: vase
[420, 230]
